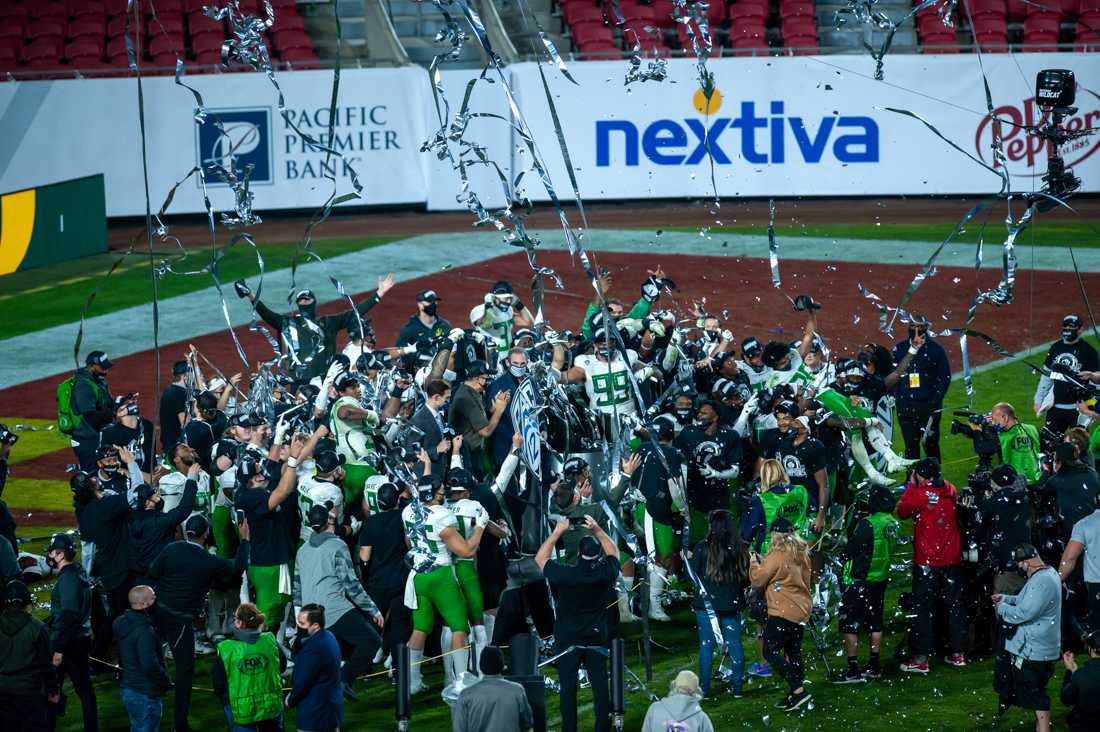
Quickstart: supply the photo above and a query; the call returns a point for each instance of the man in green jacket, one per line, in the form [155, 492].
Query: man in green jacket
[1019, 442]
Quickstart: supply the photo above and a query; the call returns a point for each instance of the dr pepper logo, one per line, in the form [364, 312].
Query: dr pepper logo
[1026, 152]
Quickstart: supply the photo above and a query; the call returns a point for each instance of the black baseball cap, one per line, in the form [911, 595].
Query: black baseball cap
[928, 468]
[318, 516]
[345, 381]
[751, 347]
[304, 295]
[245, 419]
[589, 548]
[179, 368]
[427, 296]
[16, 593]
[1072, 321]
[98, 358]
[1003, 475]
[144, 492]
[105, 451]
[503, 287]
[328, 460]
[787, 407]
[476, 369]
[1024, 552]
[63, 543]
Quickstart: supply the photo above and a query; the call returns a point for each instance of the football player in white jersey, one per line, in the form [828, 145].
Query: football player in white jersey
[323, 488]
[498, 314]
[431, 531]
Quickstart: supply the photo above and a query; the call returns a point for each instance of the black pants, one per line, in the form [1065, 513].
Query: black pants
[85, 451]
[783, 649]
[106, 606]
[936, 588]
[22, 713]
[596, 665]
[1092, 599]
[178, 632]
[914, 425]
[391, 601]
[74, 664]
[1060, 420]
[516, 605]
[357, 631]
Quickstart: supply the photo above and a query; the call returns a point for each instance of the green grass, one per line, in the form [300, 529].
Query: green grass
[947, 699]
[1046, 232]
[50, 296]
[35, 443]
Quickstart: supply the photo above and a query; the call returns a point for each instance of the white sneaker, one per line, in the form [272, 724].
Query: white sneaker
[203, 648]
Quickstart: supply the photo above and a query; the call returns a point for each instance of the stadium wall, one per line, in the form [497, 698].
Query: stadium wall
[813, 126]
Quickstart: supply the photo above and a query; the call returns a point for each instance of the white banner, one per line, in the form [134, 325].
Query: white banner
[790, 126]
[81, 127]
[813, 126]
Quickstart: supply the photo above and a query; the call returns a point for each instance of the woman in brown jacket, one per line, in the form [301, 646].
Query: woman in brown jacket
[784, 575]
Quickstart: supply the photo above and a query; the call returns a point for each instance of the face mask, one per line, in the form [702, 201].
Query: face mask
[1069, 335]
[684, 414]
[503, 307]
[1022, 571]
[517, 371]
[308, 311]
[109, 469]
[51, 562]
[430, 309]
[444, 405]
[712, 335]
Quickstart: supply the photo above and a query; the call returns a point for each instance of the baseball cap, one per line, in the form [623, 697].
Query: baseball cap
[787, 407]
[106, 451]
[803, 420]
[1003, 475]
[16, 593]
[751, 347]
[144, 492]
[304, 295]
[216, 383]
[477, 368]
[179, 368]
[245, 419]
[928, 468]
[345, 381]
[63, 543]
[98, 358]
[1072, 321]
[328, 461]
[502, 287]
[1024, 552]
[427, 296]
[588, 548]
[196, 525]
[318, 516]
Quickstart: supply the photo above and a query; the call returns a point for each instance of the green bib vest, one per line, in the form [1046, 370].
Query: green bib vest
[252, 671]
[791, 505]
[884, 529]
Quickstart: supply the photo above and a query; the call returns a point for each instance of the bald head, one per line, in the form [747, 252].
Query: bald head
[141, 597]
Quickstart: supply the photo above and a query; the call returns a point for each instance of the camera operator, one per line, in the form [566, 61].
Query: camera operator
[131, 431]
[1034, 641]
[930, 501]
[1072, 485]
[1076, 355]
[1019, 441]
[1005, 514]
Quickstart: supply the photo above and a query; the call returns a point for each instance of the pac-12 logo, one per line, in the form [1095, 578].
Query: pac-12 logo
[244, 138]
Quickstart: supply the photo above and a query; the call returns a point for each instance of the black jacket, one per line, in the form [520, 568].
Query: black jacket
[26, 660]
[725, 597]
[330, 325]
[70, 607]
[1074, 487]
[924, 384]
[96, 408]
[1006, 523]
[152, 530]
[7, 521]
[414, 330]
[424, 420]
[103, 522]
[140, 655]
[184, 572]
[1081, 690]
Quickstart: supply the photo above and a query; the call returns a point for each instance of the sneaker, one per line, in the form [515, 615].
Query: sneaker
[871, 674]
[913, 667]
[203, 648]
[956, 659]
[759, 669]
[851, 676]
[737, 693]
[782, 703]
[796, 700]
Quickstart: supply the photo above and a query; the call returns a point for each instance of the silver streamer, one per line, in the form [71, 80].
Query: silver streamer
[773, 245]
[866, 14]
[656, 68]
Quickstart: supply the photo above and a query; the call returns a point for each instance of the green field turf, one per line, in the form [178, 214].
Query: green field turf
[948, 699]
[48, 296]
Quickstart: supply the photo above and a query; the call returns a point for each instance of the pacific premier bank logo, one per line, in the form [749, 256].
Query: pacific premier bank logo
[244, 138]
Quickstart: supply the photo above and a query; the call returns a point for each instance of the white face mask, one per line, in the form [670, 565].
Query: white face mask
[517, 371]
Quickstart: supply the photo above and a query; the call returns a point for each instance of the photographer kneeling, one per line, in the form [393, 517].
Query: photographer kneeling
[1034, 640]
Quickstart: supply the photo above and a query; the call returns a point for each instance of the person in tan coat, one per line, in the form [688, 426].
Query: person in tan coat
[784, 575]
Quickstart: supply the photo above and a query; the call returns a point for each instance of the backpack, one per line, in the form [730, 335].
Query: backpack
[67, 420]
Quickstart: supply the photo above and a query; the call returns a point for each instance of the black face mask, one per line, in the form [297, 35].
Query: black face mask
[430, 309]
[683, 414]
[51, 562]
[308, 311]
[1069, 335]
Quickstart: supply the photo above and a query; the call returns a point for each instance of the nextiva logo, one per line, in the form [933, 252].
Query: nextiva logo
[764, 139]
[1027, 151]
[244, 138]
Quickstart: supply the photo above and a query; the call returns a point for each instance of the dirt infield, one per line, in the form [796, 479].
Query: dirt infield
[634, 214]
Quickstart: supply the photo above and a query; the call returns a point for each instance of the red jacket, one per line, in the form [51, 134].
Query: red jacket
[935, 526]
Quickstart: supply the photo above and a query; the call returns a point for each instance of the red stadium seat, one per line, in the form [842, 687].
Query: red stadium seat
[662, 12]
[299, 55]
[11, 29]
[9, 56]
[799, 26]
[1044, 7]
[747, 11]
[174, 7]
[164, 60]
[1070, 7]
[292, 39]
[164, 44]
[287, 4]
[164, 23]
[1044, 25]
[208, 58]
[792, 8]
[48, 9]
[748, 29]
[9, 10]
[116, 25]
[589, 31]
[47, 28]
[88, 26]
[199, 23]
[84, 47]
[196, 6]
[992, 42]
[750, 47]
[583, 12]
[1089, 6]
[717, 13]
[987, 7]
[987, 25]
[78, 8]
[288, 20]
[42, 51]
[642, 13]
[205, 42]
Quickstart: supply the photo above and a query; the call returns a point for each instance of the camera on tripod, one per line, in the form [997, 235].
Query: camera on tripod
[1055, 93]
[985, 439]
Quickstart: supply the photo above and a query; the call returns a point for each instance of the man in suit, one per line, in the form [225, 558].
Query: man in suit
[429, 419]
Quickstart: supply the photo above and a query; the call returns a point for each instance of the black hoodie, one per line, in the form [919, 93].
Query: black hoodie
[1005, 521]
[70, 607]
[26, 661]
[151, 529]
[140, 655]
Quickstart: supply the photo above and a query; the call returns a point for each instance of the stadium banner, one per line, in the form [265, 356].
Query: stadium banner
[814, 126]
[525, 415]
[52, 223]
[72, 128]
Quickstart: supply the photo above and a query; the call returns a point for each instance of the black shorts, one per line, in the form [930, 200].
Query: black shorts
[861, 607]
[1029, 683]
